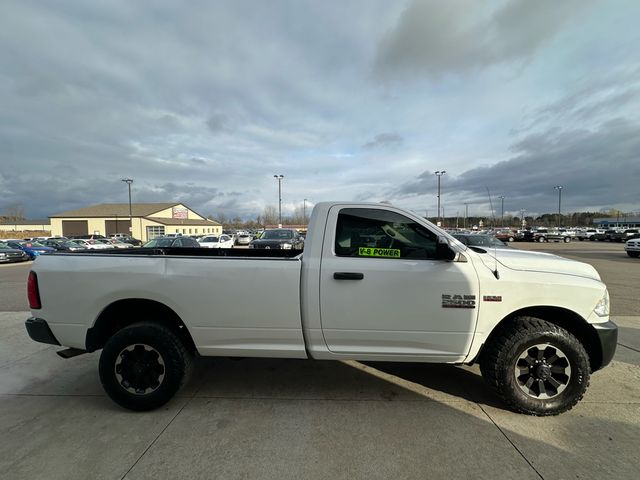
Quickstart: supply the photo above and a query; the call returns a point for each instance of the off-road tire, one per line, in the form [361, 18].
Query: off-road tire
[499, 359]
[177, 362]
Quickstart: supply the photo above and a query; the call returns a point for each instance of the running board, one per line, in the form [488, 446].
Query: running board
[70, 352]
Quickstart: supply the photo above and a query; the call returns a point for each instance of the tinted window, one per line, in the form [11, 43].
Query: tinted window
[277, 235]
[363, 232]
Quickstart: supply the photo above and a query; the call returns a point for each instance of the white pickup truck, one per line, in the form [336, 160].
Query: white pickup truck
[374, 282]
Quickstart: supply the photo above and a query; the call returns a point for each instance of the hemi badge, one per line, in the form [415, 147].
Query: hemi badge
[492, 298]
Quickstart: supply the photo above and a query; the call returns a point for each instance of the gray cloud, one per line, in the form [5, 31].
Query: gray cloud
[435, 37]
[384, 140]
[596, 167]
[217, 123]
[205, 104]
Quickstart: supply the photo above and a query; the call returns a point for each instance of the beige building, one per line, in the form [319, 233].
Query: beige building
[25, 226]
[148, 220]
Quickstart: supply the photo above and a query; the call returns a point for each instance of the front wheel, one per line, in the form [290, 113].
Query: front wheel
[536, 367]
[567, 239]
[633, 254]
[542, 239]
[143, 366]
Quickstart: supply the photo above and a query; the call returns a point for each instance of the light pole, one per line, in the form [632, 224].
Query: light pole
[501, 197]
[279, 178]
[522, 220]
[129, 181]
[466, 214]
[439, 174]
[304, 210]
[559, 188]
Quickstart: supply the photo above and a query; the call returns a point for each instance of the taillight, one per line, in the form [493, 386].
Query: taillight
[32, 291]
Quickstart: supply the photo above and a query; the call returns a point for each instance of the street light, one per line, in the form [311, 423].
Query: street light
[279, 178]
[501, 197]
[439, 174]
[559, 188]
[129, 181]
[466, 214]
[304, 210]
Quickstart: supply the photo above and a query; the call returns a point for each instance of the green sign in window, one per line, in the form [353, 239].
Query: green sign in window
[378, 252]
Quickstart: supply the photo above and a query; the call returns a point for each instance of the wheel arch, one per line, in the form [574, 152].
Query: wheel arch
[122, 313]
[571, 321]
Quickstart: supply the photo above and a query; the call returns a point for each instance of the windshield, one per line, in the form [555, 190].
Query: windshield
[480, 241]
[31, 244]
[277, 235]
[159, 242]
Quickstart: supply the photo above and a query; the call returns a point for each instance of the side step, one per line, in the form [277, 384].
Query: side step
[70, 352]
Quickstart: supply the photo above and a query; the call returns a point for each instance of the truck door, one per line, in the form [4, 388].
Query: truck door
[383, 292]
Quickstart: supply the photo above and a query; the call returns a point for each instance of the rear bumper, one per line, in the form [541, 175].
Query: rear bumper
[39, 330]
[608, 336]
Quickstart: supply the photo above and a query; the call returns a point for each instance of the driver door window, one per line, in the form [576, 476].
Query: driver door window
[374, 233]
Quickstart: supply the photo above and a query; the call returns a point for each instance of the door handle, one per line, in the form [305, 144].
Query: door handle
[348, 276]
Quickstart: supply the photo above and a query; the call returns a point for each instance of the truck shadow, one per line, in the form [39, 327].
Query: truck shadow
[305, 379]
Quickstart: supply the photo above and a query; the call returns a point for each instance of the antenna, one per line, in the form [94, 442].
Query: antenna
[495, 249]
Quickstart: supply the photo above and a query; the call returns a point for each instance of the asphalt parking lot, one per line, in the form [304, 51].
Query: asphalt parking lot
[281, 419]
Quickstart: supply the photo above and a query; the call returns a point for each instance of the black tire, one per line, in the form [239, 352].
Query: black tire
[511, 239]
[132, 349]
[633, 254]
[542, 239]
[522, 337]
[567, 239]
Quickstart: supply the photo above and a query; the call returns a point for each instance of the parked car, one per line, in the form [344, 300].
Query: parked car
[279, 238]
[480, 240]
[126, 238]
[243, 239]
[92, 244]
[63, 245]
[33, 249]
[168, 242]
[604, 236]
[375, 283]
[114, 243]
[632, 247]
[86, 237]
[545, 235]
[11, 255]
[214, 241]
[505, 235]
[588, 233]
[623, 236]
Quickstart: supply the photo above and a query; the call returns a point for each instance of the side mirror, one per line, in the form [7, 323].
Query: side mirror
[443, 250]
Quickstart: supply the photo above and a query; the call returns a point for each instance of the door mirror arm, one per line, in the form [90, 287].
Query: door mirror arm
[444, 250]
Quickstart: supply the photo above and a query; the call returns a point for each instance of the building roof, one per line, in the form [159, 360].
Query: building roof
[116, 210]
[44, 221]
[184, 221]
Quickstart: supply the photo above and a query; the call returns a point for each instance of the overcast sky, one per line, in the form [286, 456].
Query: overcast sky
[203, 102]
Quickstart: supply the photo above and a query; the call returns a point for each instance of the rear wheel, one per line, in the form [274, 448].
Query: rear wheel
[567, 239]
[542, 239]
[536, 367]
[512, 239]
[143, 366]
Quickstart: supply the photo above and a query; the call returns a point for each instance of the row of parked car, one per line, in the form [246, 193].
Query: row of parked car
[491, 241]
[18, 250]
[280, 238]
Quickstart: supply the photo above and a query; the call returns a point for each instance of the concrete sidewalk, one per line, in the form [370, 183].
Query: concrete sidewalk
[281, 419]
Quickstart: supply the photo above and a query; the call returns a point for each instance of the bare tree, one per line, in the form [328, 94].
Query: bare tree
[270, 215]
[14, 212]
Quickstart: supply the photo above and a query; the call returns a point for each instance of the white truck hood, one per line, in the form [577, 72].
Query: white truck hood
[538, 262]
